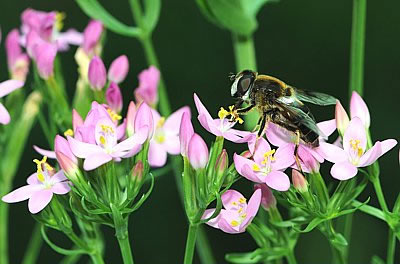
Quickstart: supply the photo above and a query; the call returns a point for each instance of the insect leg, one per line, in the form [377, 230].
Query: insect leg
[296, 154]
[245, 110]
[263, 124]
[258, 124]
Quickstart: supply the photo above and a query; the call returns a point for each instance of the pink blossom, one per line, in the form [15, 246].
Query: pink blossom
[106, 147]
[166, 136]
[41, 187]
[359, 108]
[266, 166]
[119, 69]
[144, 118]
[237, 214]
[220, 127]
[114, 97]
[354, 153]
[18, 62]
[44, 55]
[97, 73]
[7, 87]
[197, 152]
[186, 132]
[148, 86]
[91, 36]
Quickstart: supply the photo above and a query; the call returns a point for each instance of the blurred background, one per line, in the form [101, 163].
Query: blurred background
[306, 43]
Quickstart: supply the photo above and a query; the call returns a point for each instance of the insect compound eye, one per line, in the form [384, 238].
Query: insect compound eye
[244, 83]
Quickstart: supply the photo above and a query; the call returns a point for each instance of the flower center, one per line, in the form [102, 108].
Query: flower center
[266, 163]
[240, 207]
[42, 170]
[356, 151]
[159, 135]
[235, 116]
[114, 116]
[107, 132]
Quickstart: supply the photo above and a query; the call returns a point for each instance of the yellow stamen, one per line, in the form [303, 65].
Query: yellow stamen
[240, 210]
[60, 16]
[103, 140]
[114, 116]
[107, 129]
[243, 215]
[242, 200]
[234, 223]
[160, 122]
[354, 143]
[234, 203]
[222, 113]
[39, 167]
[69, 132]
[256, 167]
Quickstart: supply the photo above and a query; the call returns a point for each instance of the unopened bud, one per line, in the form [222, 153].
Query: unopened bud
[137, 174]
[246, 154]
[114, 97]
[197, 152]
[299, 182]
[342, 119]
[97, 74]
[267, 197]
[119, 69]
[221, 166]
[69, 167]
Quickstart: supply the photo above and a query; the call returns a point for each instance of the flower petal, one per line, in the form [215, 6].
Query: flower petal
[376, 151]
[132, 142]
[343, 170]
[9, 86]
[260, 149]
[359, 108]
[82, 149]
[279, 136]
[33, 180]
[58, 177]
[332, 153]
[4, 115]
[327, 127]
[226, 218]
[212, 222]
[284, 157]
[278, 180]
[229, 197]
[21, 194]
[157, 155]
[39, 200]
[50, 154]
[252, 208]
[172, 145]
[243, 166]
[355, 131]
[96, 160]
[173, 122]
[61, 188]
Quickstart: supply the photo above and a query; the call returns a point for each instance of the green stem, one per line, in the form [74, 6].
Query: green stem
[190, 243]
[379, 194]
[125, 247]
[97, 258]
[34, 245]
[391, 250]
[245, 58]
[3, 232]
[291, 258]
[347, 234]
[357, 46]
[70, 259]
[203, 247]
[318, 185]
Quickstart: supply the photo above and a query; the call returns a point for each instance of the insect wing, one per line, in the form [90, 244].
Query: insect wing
[314, 97]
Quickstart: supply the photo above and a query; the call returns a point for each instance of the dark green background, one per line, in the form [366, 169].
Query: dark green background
[306, 43]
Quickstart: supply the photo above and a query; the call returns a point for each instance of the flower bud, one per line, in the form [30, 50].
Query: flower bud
[67, 165]
[359, 108]
[97, 73]
[61, 145]
[267, 198]
[114, 97]
[148, 86]
[186, 131]
[221, 166]
[144, 117]
[342, 119]
[76, 120]
[45, 53]
[130, 119]
[137, 173]
[91, 36]
[119, 69]
[299, 182]
[197, 152]
[13, 48]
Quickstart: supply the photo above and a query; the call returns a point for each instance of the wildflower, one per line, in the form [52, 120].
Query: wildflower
[97, 73]
[186, 132]
[41, 187]
[220, 127]
[106, 147]
[237, 214]
[266, 166]
[148, 86]
[197, 152]
[7, 87]
[119, 69]
[359, 108]
[166, 136]
[18, 62]
[114, 97]
[354, 153]
[267, 197]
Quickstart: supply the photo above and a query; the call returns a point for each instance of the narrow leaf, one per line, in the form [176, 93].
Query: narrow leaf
[152, 10]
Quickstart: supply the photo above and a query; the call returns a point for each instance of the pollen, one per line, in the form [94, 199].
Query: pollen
[269, 155]
[114, 116]
[256, 167]
[242, 200]
[107, 129]
[103, 140]
[234, 223]
[59, 23]
[160, 122]
[69, 132]
[355, 145]
[222, 113]
[40, 164]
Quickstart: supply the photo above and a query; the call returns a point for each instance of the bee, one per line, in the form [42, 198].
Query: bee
[279, 103]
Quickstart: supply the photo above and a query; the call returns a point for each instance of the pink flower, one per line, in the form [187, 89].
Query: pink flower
[342, 119]
[97, 73]
[106, 147]
[91, 36]
[266, 166]
[119, 69]
[130, 119]
[237, 214]
[41, 187]
[359, 108]
[354, 153]
[7, 87]
[186, 132]
[197, 152]
[166, 136]
[148, 86]
[267, 197]
[18, 62]
[309, 157]
[144, 118]
[220, 127]
[114, 97]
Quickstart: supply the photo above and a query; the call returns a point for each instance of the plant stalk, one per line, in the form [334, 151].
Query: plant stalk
[391, 249]
[190, 243]
[34, 246]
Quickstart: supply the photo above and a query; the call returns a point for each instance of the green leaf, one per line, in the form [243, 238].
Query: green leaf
[58, 249]
[253, 6]
[370, 210]
[314, 223]
[151, 15]
[94, 10]
[142, 199]
[339, 240]
[261, 254]
[290, 223]
[232, 16]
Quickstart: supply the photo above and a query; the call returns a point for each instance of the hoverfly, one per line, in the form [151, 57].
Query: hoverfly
[278, 103]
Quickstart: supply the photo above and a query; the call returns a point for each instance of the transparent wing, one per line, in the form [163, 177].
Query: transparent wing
[314, 97]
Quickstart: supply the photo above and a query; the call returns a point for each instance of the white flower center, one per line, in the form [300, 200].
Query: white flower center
[355, 151]
[240, 207]
[266, 163]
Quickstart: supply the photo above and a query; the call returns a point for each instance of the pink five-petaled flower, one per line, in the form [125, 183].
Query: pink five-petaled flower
[41, 187]
[148, 86]
[220, 127]
[354, 154]
[309, 157]
[166, 136]
[237, 214]
[106, 147]
[7, 87]
[266, 166]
